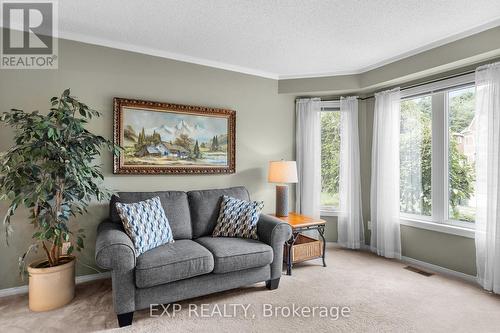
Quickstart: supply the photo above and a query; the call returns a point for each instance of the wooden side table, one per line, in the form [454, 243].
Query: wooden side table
[301, 223]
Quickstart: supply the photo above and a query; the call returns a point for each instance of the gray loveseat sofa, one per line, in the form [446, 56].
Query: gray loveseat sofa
[196, 263]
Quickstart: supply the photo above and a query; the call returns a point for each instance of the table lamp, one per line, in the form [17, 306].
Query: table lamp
[282, 173]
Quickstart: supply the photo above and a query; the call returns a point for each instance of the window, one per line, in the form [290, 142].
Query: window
[330, 154]
[415, 156]
[437, 155]
[461, 155]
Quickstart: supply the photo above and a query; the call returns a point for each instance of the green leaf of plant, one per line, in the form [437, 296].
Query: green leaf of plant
[79, 242]
[39, 164]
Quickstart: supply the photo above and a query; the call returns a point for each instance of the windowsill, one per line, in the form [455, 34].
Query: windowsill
[439, 227]
[329, 213]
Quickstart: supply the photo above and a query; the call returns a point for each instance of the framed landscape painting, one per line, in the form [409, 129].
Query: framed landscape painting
[159, 138]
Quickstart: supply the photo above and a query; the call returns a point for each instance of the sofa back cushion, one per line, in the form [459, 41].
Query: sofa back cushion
[205, 206]
[174, 203]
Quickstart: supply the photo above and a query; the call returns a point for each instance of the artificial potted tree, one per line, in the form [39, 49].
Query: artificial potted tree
[50, 170]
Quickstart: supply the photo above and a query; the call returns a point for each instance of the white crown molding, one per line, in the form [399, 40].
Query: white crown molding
[245, 70]
[317, 75]
[430, 46]
[164, 54]
[161, 54]
[79, 279]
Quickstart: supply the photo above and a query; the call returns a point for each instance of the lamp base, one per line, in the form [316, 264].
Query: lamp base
[281, 200]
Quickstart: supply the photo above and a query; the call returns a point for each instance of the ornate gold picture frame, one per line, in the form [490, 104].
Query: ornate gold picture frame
[165, 138]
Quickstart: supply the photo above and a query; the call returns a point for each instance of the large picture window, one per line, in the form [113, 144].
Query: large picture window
[437, 156]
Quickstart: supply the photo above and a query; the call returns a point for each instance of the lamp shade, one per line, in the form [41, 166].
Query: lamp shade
[282, 172]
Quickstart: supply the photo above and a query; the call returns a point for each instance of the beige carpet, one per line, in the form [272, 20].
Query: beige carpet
[381, 295]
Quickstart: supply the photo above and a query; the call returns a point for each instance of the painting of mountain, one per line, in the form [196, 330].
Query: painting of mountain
[163, 139]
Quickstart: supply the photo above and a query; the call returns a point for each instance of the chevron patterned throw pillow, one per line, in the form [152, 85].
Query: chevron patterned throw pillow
[146, 224]
[238, 218]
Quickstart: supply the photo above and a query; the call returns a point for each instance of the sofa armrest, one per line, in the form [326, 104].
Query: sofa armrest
[114, 249]
[275, 233]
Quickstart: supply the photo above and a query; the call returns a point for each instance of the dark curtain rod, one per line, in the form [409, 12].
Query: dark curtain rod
[410, 86]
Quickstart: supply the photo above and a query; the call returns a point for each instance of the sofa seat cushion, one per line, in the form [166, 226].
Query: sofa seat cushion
[235, 254]
[172, 262]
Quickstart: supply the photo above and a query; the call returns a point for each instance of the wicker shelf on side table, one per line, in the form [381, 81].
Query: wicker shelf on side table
[301, 247]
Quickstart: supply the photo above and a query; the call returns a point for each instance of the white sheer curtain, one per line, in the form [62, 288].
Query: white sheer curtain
[385, 234]
[308, 189]
[488, 176]
[411, 161]
[350, 220]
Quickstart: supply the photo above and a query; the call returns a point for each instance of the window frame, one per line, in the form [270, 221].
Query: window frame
[439, 151]
[329, 106]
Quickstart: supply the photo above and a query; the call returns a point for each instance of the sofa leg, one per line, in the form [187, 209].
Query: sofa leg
[125, 319]
[273, 284]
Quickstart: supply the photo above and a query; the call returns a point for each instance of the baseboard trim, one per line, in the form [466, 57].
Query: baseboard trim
[438, 269]
[92, 277]
[79, 279]
[427, 266]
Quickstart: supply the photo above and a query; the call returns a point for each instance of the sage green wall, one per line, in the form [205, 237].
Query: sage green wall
[331, 231]
[450, 251]
[264, 123]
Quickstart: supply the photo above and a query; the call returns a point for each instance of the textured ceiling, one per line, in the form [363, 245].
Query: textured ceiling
[278, 39]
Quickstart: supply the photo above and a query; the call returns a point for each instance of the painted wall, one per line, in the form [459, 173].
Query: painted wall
[450, 251]
[264, 129]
